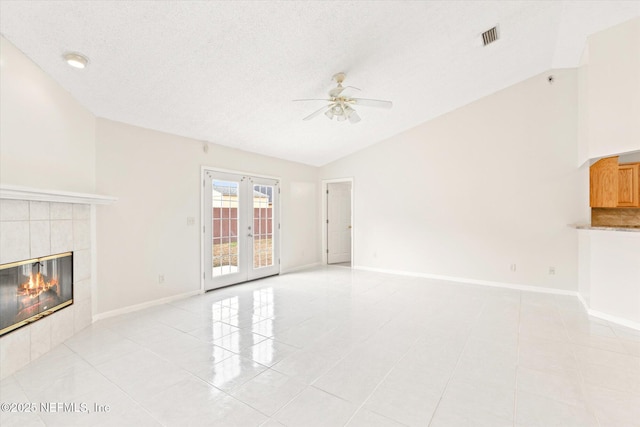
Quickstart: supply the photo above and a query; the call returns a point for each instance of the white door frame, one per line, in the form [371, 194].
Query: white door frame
[324, 216]
[203, 170]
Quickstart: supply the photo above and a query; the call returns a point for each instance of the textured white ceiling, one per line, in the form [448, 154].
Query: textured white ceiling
[226, 72]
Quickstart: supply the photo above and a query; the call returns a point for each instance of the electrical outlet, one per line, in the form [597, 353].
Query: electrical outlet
[191, 220]
[552, 270]
[513, 267]
[161, 279]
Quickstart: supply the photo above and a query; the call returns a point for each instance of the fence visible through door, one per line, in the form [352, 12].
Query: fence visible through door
[241, 239]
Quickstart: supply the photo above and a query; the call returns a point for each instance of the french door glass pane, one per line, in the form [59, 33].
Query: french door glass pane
[225, 249]
[262, 226]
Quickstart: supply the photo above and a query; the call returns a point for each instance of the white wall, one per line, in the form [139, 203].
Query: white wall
[156, 178]
[611, 274]
[629, 157]
[609, 124]
[471, 192]
[47, 139]
[613, 90]
[583, 107]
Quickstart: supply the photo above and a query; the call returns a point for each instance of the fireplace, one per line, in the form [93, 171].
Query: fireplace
[34, 288]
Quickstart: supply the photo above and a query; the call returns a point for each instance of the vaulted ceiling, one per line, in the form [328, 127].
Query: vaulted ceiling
[227, 72]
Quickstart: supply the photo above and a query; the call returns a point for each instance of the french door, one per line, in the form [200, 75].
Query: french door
[241, 224]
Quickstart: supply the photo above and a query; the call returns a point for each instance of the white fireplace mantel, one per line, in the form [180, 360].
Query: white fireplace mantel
[15, 192]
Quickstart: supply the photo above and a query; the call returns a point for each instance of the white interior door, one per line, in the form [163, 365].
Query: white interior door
[241, 224]
[339, 222]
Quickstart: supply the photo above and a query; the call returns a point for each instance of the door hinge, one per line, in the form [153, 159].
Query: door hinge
[278, 226]
[278, 190]
[327, 221]
[327, 191]
[327, 250]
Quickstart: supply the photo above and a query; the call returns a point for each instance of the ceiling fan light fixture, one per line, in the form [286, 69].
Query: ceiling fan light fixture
[329, 113]
[340, 106]
[76, 60]
[348, 111]
[354, 117]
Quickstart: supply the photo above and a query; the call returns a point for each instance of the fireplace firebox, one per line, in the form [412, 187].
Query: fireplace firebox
[34, 288]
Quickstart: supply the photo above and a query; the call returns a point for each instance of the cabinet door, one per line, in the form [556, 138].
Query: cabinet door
[604, 183]
[628, 185]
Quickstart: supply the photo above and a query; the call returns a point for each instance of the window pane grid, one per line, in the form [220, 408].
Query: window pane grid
[263, 226]
[225, 249]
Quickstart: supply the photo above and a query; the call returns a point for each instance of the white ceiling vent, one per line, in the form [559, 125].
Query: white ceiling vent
[490, 36]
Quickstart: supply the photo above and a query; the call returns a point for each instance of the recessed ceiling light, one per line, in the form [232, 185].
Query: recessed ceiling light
[76, 60]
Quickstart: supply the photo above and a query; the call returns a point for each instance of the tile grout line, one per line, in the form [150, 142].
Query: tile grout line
[311, 384]
[515, 388]
[269, 417]
[444, 390]
[25, 393]
[583, 384]
[483, 308]
[307, 385]
[133, 399]
[196, 377]
[380, 383]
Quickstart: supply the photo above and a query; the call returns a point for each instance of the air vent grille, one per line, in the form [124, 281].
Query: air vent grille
[490, 36]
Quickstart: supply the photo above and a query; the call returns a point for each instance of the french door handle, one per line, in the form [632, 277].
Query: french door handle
[249, 235]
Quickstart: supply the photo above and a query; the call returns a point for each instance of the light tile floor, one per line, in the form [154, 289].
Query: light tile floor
[340, 347]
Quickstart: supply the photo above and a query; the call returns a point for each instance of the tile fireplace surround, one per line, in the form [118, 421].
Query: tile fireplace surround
[34, 228]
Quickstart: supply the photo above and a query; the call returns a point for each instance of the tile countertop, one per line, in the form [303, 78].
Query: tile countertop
[589, 227]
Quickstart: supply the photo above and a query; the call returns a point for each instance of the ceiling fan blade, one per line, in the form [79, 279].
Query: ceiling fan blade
[317, 112]
[336, 91]
[372, 102]
[325, 100]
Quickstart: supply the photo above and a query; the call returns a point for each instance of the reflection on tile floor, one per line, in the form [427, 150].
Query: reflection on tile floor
[339, 347]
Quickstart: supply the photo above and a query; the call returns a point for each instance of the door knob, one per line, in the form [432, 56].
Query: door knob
[349, 226]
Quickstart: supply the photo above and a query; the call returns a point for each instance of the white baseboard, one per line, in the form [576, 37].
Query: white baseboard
[528, 288]
[608, 317]
[300, 267]
[614, 319]
[172, 298]
[583, 301]
[144, 305]
[514, 286]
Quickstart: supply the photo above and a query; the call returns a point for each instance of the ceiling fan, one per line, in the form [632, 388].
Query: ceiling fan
[341, 106]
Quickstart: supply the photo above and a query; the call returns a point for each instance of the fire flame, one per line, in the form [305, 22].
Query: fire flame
[36, 285]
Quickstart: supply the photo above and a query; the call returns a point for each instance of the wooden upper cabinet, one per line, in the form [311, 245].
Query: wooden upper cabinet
[614, 185]
[629, 185]
[603, 188]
